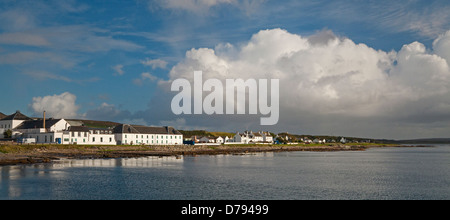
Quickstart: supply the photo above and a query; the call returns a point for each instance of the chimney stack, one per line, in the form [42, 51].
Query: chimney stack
[44, 121]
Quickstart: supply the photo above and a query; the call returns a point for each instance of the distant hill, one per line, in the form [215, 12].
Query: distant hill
[203, 133]
[2, 115]
[96, 124]
[296, 137]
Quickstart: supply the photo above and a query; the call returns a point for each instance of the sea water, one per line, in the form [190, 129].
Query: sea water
[378, 173]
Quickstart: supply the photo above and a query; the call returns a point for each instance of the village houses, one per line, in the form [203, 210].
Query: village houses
[61, 131]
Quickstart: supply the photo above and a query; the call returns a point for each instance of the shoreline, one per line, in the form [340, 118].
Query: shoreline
[37, 154]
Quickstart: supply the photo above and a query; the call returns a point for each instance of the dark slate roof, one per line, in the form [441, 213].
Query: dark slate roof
[78, 129]
[88, 129]
[126, 129]
[38, 123]
[137, 129]
[16, 116]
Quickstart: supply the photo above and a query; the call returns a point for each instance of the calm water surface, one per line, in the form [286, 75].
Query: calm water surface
[389, 173]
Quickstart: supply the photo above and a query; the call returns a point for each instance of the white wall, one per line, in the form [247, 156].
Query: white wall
[149, 139]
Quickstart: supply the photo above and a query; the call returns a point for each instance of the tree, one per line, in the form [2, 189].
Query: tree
[8, 133]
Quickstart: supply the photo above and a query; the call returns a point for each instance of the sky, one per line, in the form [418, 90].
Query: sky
[375, 69]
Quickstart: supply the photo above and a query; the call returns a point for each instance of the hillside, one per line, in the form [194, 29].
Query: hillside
[202, 133]
[95, 124]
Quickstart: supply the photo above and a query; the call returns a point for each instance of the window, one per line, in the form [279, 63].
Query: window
[110, 139]
[93, 139]
[101, 139]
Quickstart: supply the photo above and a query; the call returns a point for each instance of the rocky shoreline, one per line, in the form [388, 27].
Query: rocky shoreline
[49, 153]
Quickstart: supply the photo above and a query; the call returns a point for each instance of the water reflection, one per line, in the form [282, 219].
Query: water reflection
[17, 181]
[144, 162]
[391, 173]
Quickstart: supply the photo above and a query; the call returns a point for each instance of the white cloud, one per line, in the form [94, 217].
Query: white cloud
[203, 7]
[149, 76]
[333, 76]
[23, 38]
[328, 77]
[118, 70]
[193, 5]
[79, 38]
[442, 46]
[56, 106]
[157, 63]
[145, 77]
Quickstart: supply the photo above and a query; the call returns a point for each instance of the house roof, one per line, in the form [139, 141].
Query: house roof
[137, 129]
[78, 129]
[2, 115]
[16, 116]
[38, 123]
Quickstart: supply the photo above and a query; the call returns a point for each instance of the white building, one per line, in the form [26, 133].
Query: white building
[142, 135]
[61, 131]
[35, 129]
[267, 137]
[87, 136]
[11, 122]
[250, 137]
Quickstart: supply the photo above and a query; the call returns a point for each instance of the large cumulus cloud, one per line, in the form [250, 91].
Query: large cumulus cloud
[56, 106]
[332, 84]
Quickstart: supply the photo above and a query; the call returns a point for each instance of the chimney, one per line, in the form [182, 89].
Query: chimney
[44, 121]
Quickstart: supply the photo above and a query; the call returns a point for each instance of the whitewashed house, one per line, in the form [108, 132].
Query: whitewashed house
[206, 140]
[243, 138]
[257, 137]
[88, 136]
[250, 137]
[227, 139]
[220, 140]
[51, 133]
[267, 137]
[11, 122]
[142, 135]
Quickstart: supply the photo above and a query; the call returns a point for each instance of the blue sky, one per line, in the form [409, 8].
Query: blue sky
[111, 56]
